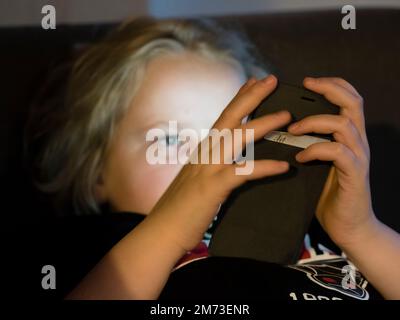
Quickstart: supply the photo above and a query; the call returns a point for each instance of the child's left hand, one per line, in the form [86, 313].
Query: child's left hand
[344, 208]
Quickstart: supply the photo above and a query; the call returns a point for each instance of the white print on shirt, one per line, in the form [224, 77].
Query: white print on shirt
[327, 271]
[310, 296]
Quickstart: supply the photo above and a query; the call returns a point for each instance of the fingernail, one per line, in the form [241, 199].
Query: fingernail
[283, 164]
[282, 112]
[309, 80]
[294, 126]
[269, 79]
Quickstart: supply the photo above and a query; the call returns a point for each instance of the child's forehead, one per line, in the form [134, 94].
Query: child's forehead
[186, 88]
[192, 65]
[180, 81]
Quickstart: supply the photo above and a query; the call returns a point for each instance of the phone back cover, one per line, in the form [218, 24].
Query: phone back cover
[267, 219]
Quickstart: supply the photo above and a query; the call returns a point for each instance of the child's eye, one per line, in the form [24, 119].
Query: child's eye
[171, 140]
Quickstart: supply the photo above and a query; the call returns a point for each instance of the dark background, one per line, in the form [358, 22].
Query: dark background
[295, 44]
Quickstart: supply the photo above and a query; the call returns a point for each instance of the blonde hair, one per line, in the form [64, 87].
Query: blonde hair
[103, 82]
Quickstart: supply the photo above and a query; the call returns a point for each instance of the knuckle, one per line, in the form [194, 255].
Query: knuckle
[339, 149]
[339, 80]
[359, 101]
[345, 122]
[362, 167]
[227, 114]
[365, 156]
[364, 160]
[368, 152]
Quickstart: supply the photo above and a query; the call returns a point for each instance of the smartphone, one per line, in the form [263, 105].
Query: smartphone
[267, 219]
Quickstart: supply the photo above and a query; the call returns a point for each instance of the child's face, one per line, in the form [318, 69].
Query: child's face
[185, 87]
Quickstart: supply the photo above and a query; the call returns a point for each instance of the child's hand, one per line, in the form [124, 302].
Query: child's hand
[193, 198]
[344, 209]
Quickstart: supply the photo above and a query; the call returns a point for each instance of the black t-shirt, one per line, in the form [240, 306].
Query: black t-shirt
[74, 245]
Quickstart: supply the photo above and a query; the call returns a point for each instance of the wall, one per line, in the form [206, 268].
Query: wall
[28, 12]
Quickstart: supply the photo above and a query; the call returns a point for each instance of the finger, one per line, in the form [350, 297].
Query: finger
[344, 84]
[342, 128]
[248, 83]
[261, 126]
[228, 144]
[252, 81]
[245, 103]
[256, 170]
[242, 89]
[266, 168]
[351, 105]
[341, 156]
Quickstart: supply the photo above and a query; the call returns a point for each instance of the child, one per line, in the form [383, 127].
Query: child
[150, 72]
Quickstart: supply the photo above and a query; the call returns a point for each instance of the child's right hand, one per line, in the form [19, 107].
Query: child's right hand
[193, 198]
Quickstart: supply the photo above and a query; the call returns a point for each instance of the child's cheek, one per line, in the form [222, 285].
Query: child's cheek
[152, 182]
